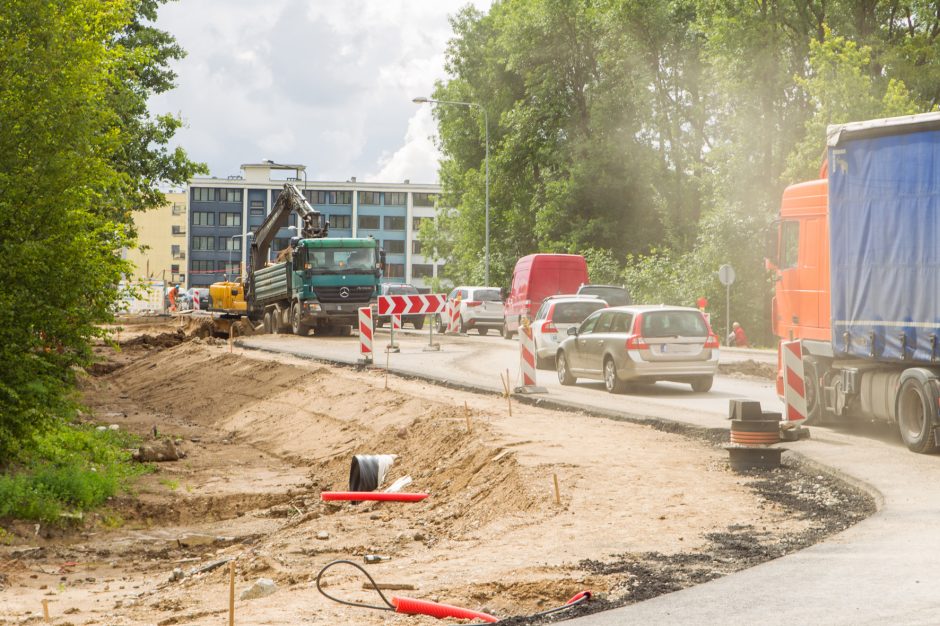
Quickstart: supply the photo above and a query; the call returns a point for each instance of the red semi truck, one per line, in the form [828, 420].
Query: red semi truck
[857, 268]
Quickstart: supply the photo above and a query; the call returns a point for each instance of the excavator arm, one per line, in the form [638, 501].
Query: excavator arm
[314, 225]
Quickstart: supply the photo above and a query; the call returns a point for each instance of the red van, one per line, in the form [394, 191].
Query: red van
[536, 277]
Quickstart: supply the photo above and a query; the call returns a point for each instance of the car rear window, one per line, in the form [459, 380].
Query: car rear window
[615, 296]
[574, 312]
[486, 295]
[674, 324]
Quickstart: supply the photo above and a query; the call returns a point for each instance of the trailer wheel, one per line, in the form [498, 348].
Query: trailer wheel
[915, 421]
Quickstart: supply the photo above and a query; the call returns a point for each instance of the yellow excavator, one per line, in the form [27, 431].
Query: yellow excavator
[227, 305]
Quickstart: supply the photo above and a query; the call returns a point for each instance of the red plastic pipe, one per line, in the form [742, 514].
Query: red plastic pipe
[578, 596]
[372, 495]
[412, 606]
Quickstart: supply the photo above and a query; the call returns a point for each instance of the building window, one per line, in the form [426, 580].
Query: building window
[280, 243]
[256, 212]
[257, 204]
[203, 194]
[178, 278]
[202, 266]
[230, 219]
[203, 218]
[175, 269]
[422, 270]
[395, 246]
[424, 199]
[394, 270]
[176, 229]
[230, 243]
[341, 221]
[179, 208]
[369, 222]
[231, 195]
[230, 267]
[175, 251]
[416, 247]
[203, 243]
[440, 270]
[343, 197]
[394, 222]
[370, 197]
[396, 198]
[417, 221]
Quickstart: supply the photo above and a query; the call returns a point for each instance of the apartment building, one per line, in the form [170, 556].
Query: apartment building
[223, 212]
[162, 233]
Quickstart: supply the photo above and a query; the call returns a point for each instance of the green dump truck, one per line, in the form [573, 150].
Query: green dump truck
[319, 282]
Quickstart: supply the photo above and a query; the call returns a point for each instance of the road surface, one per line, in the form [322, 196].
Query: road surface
[879, 571]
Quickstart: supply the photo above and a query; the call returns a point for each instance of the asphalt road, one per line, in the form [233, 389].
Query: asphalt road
[879, 571]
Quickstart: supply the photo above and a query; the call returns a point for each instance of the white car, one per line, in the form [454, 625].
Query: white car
[556, 315]
[481, 308]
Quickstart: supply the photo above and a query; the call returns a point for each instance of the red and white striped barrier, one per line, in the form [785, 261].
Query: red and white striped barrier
[411, 304]
[794, 390]
[396, 322]
[365, 333]
[453, 319]
[527, 361]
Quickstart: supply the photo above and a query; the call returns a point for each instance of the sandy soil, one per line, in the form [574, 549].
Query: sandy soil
[641, 512]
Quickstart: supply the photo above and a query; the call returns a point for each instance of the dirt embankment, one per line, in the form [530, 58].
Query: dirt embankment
[641, 512]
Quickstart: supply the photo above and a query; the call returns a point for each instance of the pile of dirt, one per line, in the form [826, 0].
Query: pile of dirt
[264, 435]
[756, 369]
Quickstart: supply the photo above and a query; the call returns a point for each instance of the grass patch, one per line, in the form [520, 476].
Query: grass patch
[170, 483]
[71, 468]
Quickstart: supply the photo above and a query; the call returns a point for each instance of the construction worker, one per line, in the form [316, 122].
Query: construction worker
[172, 294]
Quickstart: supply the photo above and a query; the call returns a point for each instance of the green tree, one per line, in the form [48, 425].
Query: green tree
[77, 156]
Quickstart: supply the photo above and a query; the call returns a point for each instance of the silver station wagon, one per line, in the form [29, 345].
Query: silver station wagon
[641, 344]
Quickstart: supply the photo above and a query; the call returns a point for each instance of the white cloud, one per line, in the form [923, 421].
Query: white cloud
[325, 83]
[416, 160]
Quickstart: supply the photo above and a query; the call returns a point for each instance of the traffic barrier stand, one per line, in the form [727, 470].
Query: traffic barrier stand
[365, 335]
[794, 391]
[394, 324]
[527, 361]
[754, 433]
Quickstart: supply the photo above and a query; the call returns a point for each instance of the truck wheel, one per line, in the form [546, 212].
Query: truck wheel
[507, 334]
[816, 412]
[915, 412]
[345, 331]
[266, 323]
[299, 328]
[419, 323]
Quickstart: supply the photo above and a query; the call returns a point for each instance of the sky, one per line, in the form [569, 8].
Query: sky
[325, 83]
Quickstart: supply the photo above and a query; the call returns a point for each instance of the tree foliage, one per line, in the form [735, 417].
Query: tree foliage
[79, 152]
[660, 131]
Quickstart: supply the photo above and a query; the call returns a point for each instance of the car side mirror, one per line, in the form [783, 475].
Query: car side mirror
[573, 331]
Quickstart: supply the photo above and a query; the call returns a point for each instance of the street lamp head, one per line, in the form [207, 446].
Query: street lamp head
[420, 100]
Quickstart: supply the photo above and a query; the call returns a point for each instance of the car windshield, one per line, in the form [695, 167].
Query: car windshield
[487, 295]
[615, 296]
[401, 290]
[674, 324]
[574, 312]
[325, 260]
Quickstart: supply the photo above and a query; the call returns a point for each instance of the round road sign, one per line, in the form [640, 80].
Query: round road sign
[726, 275]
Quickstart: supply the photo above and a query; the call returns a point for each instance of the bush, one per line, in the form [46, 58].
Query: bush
[70, 468]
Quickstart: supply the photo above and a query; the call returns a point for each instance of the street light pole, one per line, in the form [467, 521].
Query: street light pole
[486, 130]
